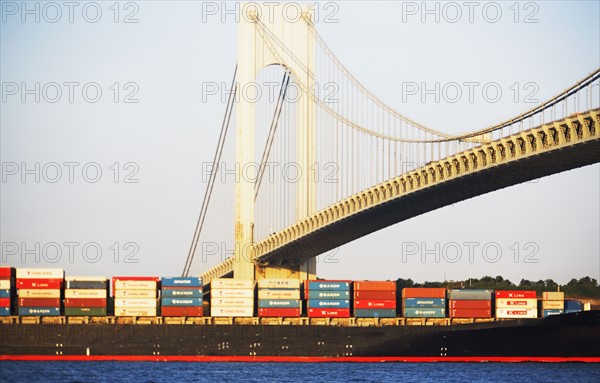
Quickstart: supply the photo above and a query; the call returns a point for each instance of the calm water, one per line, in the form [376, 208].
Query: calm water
[111, 372]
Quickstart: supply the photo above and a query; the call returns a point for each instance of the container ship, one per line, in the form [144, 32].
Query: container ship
[45, 316]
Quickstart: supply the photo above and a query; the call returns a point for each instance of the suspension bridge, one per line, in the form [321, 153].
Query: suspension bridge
[324, 162]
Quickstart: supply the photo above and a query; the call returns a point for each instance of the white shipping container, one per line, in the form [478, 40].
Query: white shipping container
[516, 303]
[38, 293]
[138, 303]
[135, 285]
[504, 313]
[135, 312]
[40, 273]
[230, 283]
[86, 293]
[232, 293]
[232, 302]
[553, 305]
[231, 311]
[279, 283]
[135, 293]
[5, 284]
[278, 294]
[86, 279]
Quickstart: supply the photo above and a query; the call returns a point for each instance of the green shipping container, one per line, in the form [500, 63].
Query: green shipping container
[85, 311]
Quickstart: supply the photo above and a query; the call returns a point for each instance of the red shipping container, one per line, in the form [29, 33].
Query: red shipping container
[471, 313]
[373, 304]
[7, 272]
[39, 283]
[528, 294]
[178, 311]
[469, 304]
[278, 312]
[375, 285]
[423, 292]
[39, 302]
[85, 302]
[329, 313]
[4, 302]
[375, 295]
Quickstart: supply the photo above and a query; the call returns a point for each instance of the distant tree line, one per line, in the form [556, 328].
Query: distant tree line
[581, 288]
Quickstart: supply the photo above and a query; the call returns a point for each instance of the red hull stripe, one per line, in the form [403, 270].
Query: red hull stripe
[298, 359]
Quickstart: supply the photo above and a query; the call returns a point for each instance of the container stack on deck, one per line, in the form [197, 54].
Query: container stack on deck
[327, 299]
[423, 302]
[279, 298]
[135, 296]
[553, 303]
[181, 297]
[7, 290]
[470, 303]
[232, 297]
[573, 306]
[375, 299]
[511, 304]
[39, 291]
[86, 296]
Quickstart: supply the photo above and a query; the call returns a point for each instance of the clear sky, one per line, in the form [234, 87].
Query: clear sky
[150, 124]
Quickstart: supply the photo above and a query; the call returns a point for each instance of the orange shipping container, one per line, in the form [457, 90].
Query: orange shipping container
[423, 292]
[375, 285]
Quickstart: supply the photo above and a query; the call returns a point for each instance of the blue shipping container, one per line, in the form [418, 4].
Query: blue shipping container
[572, 311]
[328, 294]
[317, 303]
[424, 303]
[333, 286]
[4, 293]
[191, 293]
[424, 313]
[180, 281]
[546, 313]
[39, 311]
[193, 302]
[280, 303]
[573, 305]
[4, 311]
[375, 313]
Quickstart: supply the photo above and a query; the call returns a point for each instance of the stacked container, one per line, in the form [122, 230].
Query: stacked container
[327, 299]
[181, 297]
[86, 296]
[511, 304]
[423, 302]
[470, 303]
[375, 299]
[135, 296]
[39, 291]
[232, 297]
[279, 298]
[7, 290]
[572, 306]
[553, 303]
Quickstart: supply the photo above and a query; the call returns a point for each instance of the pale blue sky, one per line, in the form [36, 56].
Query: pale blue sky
[170, 132]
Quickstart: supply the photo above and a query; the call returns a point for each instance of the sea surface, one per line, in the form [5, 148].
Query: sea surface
[112, 372]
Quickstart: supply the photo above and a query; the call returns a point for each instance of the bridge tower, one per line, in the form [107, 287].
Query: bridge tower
[257, 50]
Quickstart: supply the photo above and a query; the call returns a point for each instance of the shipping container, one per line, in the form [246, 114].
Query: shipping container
[516, 303]
[553, 305]
[279, 303]
[470, 313]
[39, 302]
[181, 281]
[278, 312]
[572, 311]
[328, 313]
[375, 295]
[231, 311]
[231, 302]
[279, 284]
[85, 311]
[230, 283]
[40, 273]
[5, 293]
[181, 302]
[85, 302]
[5, 284]
[135, 311]
[5, 302]
[375, 313]
[411, 312]
[135, 302]
[171, 311]
[424, 302]
[187, 293]
[504, 313]
[375, 285]
[135, 285]
[572, 305]
[7, 272]
[340, 303]
[5, 311]
[372, 304]
[469, 305]
[39, 293]
[328, 294]
[553, 296]
[231, 293]
[96, 285]
[86, 279]
[547, 313]
[39, 311]
[278, 294]
[328, 285]
[424, 292]
[86, 293]
[144, 294]
[472, 295]
[37, 283]
[523, 294]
